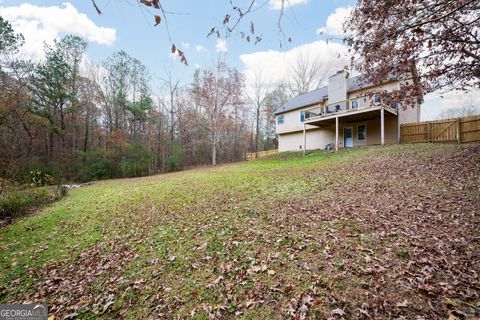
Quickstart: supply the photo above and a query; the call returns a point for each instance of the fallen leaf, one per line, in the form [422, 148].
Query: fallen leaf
[338, 312]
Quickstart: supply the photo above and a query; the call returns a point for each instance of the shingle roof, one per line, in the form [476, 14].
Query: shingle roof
[305, 99]
[355, 83]
[318, 95]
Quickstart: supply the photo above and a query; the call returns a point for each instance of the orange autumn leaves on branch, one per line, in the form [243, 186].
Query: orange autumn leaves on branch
[156, 4]
[158, 19]
[180, 54]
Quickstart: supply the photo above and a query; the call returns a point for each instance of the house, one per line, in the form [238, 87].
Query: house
[343, 114]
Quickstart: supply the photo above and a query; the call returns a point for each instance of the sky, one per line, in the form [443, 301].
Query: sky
[124, 25]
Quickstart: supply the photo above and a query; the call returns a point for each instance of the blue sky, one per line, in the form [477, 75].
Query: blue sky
[124, 26]
[189, 26]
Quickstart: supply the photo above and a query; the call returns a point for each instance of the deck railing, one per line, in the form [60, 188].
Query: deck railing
[335, 110]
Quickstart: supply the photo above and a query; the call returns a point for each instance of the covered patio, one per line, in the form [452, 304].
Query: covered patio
[370, 113]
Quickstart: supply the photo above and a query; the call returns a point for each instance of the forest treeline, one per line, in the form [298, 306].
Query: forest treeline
[67, 116]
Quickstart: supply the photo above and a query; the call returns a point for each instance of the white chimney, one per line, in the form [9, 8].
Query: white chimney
[337, 87]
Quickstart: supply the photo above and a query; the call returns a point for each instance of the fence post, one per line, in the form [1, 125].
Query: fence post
[459, 132]
[401, 133]
[429, 132]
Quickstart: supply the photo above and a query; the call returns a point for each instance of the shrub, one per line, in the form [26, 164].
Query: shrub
[174, 161]
[38, 172]
[135, 160]
[17, 201]
[97, 166]
[39, 178]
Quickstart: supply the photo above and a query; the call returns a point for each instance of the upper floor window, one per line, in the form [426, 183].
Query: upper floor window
[302, 116]
[377, 99]
[281, 119]
[338, 108]
[354, 104]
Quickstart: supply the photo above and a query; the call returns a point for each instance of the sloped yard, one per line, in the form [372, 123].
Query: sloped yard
[387, 232]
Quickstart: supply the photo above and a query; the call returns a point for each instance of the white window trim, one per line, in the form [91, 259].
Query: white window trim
[278, 117]
[362, 124]
[343, 133]
[304, 116]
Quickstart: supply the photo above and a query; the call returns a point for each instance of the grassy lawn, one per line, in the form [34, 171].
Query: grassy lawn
[377, 232]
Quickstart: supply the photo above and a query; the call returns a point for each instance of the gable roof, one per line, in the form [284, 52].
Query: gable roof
[318, 95]
[357, 83]
[312, 97]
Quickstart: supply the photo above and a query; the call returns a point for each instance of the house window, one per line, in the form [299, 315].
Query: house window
[281, 119]
[362, 132]
[377, 99]
[302, 116]
[354, 104]
[337, 108]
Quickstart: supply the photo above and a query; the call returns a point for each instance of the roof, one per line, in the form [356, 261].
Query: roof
[356, 83]
[318, 95]
[303, 100]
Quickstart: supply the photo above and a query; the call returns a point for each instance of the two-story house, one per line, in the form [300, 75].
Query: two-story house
[343, 114]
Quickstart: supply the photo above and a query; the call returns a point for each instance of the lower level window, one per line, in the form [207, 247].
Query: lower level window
[362, 132]
[280, 119]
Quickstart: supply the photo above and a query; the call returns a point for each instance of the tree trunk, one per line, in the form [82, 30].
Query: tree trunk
[87, 122]
[214, 151]
[257, 133]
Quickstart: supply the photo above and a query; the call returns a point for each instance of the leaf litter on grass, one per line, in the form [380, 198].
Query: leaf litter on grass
[397, 237]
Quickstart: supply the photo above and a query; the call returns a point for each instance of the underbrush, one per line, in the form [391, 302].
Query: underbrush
[17, 200]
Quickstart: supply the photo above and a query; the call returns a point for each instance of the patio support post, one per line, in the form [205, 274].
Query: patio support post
[304, 139]
[336, 133]
[382, 126]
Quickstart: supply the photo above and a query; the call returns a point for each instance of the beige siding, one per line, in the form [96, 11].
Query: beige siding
[291, 132]
[409, 114]
[373, 132]
[316, 139]
[319, 138]
[291, 121]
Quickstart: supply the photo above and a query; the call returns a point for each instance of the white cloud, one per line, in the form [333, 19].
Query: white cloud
[274, 66]
[335, 21]
[277, 4]
[44, 24]
[221, 46]
[185, 45]
[200, 48]
[438, 102]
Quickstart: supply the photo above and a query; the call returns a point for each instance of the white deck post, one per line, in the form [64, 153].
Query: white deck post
[304, 139]
[382, 126]
[336, 133]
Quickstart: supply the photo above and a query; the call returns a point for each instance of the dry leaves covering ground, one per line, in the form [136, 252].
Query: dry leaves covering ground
[374, 233]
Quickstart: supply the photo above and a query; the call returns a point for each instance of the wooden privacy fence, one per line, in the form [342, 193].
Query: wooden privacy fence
[261, 154]
[466, 129]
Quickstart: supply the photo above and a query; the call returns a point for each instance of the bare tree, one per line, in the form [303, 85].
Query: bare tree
[307, 73]
[215, 92]
[170, 102]
[468, 107]
[274, 99]
[257, 96]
